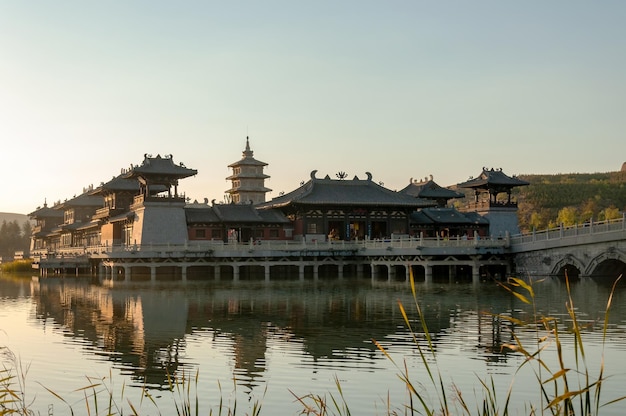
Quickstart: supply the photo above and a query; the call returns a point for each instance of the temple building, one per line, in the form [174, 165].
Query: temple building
[233, 223]
[442, 220]
[139, 224]
[46, 221]
[339, 209]
[158, 218]
[247, 179]
[138, 227]
[492, 200]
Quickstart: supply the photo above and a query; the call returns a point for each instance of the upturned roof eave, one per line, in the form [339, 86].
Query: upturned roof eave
[247, 161]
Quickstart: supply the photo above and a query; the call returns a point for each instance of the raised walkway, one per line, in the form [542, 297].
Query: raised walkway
[382, 258]
[547, 252]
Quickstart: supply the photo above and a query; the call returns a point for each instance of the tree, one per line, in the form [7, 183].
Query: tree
[13, 238]
[536, 221]
[589, 209]
[610, 213]
[567, 216]
[27, 230]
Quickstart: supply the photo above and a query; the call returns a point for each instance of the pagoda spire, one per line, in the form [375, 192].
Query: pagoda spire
[247, 179]
[248, 152]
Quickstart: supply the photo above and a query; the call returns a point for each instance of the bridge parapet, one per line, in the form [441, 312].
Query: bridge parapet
[588, 233]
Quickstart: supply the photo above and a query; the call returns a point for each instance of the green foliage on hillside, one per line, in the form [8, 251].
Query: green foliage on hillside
[570, 199]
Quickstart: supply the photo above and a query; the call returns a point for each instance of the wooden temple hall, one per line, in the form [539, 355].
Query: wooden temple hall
[138, 226]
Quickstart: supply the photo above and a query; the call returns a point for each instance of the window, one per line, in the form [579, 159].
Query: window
[200, 233]
[68, 216]
[274, 233]
[216, 234]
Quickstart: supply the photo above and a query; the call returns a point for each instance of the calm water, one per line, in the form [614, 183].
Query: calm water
[270, 342]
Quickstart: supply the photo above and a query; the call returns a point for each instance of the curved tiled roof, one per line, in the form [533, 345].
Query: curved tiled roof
[123, 182]
[160, 166]
[361, 192]
[46, 212]
[452, 216]
[430, 190]
[232, 213]
[493, 178]
[84, 200]
[438, 215]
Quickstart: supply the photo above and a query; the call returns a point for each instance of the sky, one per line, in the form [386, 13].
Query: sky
[400, 89]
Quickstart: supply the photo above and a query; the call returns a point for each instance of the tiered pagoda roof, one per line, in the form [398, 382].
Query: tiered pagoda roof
[248, 179]
[247, 158]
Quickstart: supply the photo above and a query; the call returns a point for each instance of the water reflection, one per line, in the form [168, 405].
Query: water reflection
[146, 329]
[144, 326]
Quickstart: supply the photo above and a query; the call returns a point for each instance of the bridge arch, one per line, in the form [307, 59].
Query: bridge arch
[569, 265]
[611, 263]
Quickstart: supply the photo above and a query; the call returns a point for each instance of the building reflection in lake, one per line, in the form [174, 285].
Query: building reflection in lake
[144, 329]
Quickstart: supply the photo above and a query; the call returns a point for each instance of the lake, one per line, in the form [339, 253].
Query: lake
[284, 344]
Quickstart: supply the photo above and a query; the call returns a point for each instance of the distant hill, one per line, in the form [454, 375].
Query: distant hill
[572, 197]
[10, 217]
[569, 198]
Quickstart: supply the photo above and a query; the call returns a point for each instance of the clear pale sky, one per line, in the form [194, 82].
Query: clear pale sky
[401, 89]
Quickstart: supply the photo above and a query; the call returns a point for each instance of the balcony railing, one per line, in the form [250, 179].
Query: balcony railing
[139, 200]
[483, 205]
[106, 212]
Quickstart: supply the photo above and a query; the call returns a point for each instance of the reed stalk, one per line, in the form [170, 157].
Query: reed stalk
[567, 388]
[562, 390]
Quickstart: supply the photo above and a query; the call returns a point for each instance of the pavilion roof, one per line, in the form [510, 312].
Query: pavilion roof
[160, 167]
[493, 178]
[355, 192]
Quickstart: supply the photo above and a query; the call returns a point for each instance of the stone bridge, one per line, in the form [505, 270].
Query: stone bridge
[590, 250]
